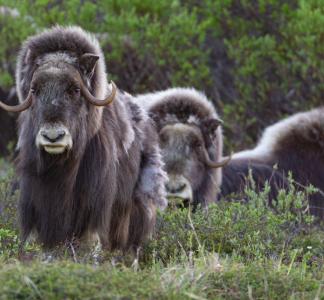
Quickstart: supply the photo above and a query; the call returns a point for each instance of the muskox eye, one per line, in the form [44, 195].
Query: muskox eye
[199, 147]
[32, 90]
[75, 92]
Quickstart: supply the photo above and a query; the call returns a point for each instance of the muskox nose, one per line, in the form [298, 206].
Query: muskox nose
[53, 135]
[175, 187]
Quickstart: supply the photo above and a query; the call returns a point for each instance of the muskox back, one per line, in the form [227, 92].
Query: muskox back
[89, 161]
[296, 145]
[240, 174]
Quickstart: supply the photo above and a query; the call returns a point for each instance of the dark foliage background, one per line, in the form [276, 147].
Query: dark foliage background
[257, 60]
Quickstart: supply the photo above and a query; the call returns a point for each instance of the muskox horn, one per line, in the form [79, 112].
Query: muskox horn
[109, 99]
[205, 157]
[20, 107]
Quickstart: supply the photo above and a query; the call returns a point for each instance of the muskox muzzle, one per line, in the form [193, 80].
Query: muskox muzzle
[179, 191]
[54, 139]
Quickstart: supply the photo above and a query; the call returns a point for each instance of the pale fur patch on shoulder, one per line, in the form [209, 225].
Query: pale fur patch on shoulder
[300, 123]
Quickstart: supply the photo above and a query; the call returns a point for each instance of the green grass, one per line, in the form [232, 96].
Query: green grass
[234, 251]
[207, 277]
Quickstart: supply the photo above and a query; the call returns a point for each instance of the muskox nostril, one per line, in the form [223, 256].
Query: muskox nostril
[175, 188]
[53, 136]
[61, 134]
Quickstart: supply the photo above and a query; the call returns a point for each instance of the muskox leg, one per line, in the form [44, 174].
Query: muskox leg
[142, 221]
[27, 222]
[119, 227]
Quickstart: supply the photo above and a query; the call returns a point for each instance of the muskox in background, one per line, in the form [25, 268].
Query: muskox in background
[239, 174]
[191, 141]
[295, 144]
[89, 161]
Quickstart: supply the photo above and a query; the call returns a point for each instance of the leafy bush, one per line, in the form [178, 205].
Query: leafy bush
[249, 230]
[275, 54]
[257, 60]
[8, 198]
[141, 54]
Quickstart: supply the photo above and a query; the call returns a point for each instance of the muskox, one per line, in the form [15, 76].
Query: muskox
[295, 145]
[191, 141]
[88, 156]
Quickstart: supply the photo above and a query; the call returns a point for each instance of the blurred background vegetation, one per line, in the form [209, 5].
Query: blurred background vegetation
[257, 60]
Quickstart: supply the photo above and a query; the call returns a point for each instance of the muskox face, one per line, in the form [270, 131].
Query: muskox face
[58, 110]
[187, 159]
[180, 145]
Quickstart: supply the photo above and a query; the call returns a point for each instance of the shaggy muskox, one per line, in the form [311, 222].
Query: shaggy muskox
[89, 161]
[191, 142]
[295, 144]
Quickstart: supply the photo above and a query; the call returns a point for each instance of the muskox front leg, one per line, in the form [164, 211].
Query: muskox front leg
[119, 226]
[27, 221]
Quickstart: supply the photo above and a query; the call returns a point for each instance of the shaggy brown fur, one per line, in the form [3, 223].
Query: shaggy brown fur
[187, 121]
[296, 144]
[237, 175]
[111, 181]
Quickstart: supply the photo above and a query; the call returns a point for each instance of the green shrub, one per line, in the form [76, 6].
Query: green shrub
[141, 39]
[257, 60]
[249, 230]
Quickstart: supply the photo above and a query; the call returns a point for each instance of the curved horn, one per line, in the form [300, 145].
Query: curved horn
[93, 100]
[20, 107]
[212, 164]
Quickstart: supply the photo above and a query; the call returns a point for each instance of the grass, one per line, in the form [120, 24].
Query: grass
[208, 277]
[234, 251]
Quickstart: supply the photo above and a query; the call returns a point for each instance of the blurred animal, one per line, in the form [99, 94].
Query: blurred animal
[191, 143]
[88, 156]
[295, 144]
[239, 174]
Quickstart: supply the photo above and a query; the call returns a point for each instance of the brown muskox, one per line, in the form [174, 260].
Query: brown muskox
[191, 142]
[239, 174]
[295, 144]
[89, 161]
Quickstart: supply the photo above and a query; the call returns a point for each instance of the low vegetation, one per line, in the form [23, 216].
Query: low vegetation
[235, 250]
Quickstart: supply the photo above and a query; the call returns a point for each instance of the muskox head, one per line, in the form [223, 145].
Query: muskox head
[191, 142]
[58, 103]
[190, 166]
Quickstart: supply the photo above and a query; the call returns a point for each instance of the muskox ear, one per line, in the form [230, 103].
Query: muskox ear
[209, 126]
[88, 63]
